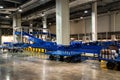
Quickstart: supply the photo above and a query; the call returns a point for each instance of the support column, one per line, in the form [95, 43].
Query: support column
[113, 37]
[44, 21]
[94, 21]
[17, 27]
[31, 27]
[62, 22]
[84, 24]
[14, 29]
[31, 30]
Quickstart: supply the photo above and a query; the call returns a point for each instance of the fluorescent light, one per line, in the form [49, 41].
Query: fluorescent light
[20, 10]
[1, 7]
[85, 11]
[7, 17]
[81, 17]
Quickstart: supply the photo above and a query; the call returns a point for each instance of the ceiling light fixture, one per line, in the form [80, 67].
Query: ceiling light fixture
[85, 11]
[20, 10]
[1, 7]
[7, 17]
[81, 17]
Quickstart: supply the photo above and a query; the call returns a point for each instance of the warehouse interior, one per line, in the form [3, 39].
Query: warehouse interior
[59, 39]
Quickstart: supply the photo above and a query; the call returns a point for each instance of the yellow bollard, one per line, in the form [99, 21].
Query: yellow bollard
[42, 50]
[33, 49]
[36, 49]
[27, 49]
[39, 50]
[30, 49]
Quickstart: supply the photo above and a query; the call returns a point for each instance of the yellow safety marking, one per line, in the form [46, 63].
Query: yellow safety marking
[36, 49]
[30, 49]
[103, 65]
[33, 49]
[39, 50]
[42, 50]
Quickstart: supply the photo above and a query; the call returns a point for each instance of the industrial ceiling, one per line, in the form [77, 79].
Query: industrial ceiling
[32, 10]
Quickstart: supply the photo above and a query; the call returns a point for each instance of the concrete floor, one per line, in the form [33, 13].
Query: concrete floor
[31, 68]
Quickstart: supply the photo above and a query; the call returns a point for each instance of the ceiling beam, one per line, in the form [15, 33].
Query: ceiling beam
[36, 13]
[13, 1]
[5, 12]
[9, 9]
[33, 4]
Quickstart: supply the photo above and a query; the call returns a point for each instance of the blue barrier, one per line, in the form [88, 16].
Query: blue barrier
[63, 53]
[74, 49]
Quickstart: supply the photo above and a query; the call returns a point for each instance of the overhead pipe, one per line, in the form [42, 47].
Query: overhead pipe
[32, 4]
[28, 4]
[7, 10]
[13, 1]
[15, 9]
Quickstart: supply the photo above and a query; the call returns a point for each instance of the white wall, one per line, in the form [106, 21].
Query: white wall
[7, 39]
[117, 26]
[53, 29]
[88, 25]
[104, 24]
[77, 27]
